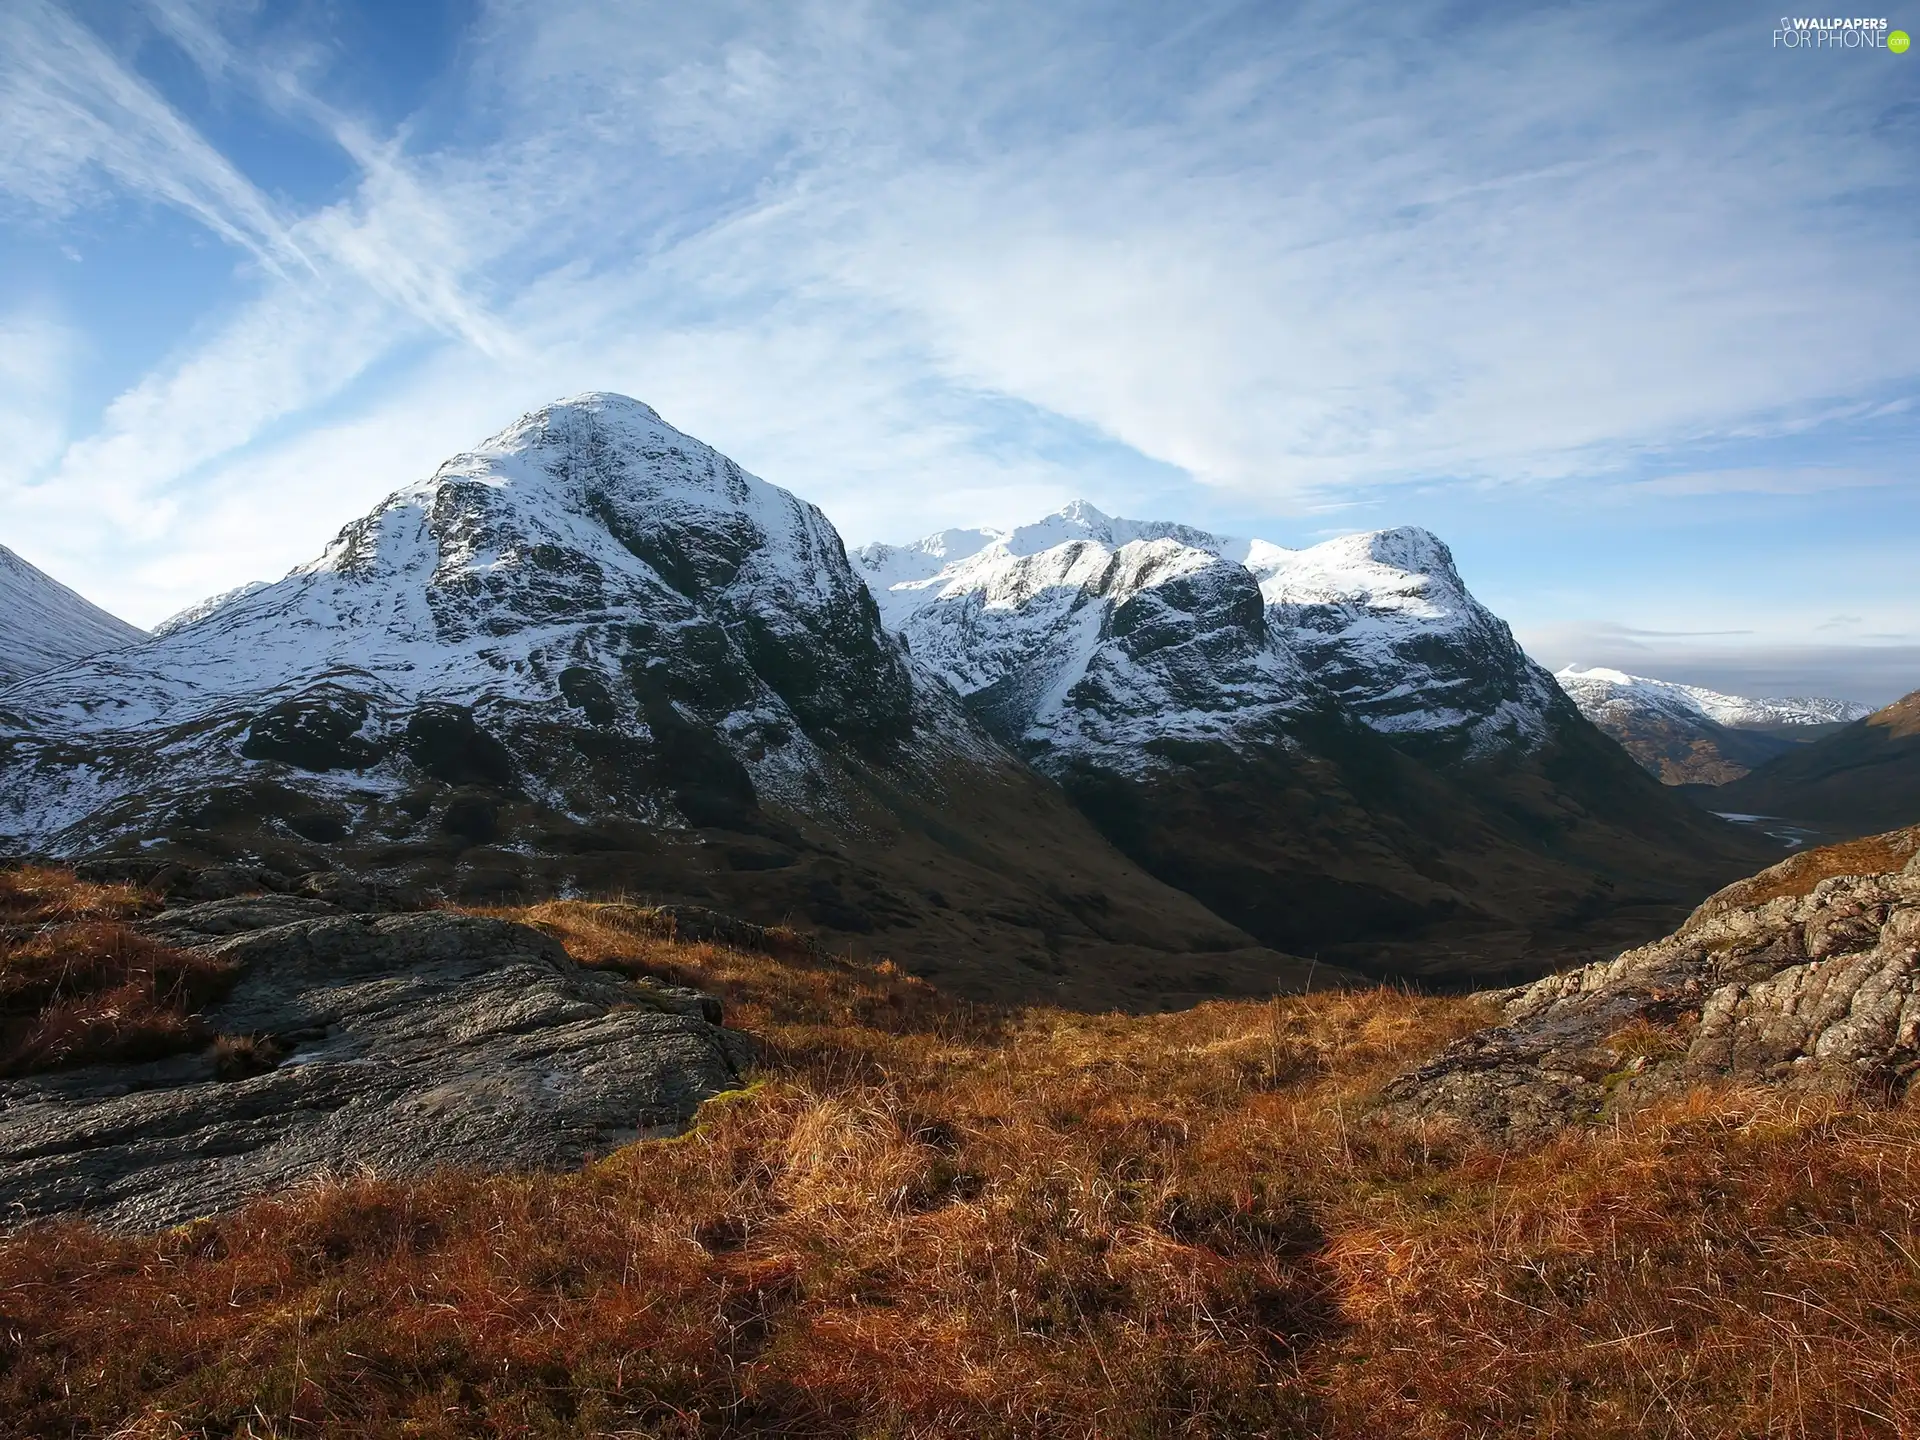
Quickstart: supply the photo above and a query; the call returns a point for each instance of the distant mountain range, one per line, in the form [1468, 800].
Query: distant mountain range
[1687, 735]
[47, 624]
[1105, 761]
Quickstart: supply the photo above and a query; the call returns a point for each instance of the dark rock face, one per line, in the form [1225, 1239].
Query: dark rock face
[445, 742]
[395, 1044]
[1817, 987]
[1395, 638]
[1190, 656]
[320, 731]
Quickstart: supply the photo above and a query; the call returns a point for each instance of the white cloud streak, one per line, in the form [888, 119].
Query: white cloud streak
[71, 114]
[1285, 252]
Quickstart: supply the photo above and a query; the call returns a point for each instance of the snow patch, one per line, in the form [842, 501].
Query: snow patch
[1595, 688]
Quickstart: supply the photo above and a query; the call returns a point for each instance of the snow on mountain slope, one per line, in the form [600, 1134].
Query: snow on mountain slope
[1336, 745]
[904, 577]
[1084, 634]
[200, 609]
[1016, 620]
[1687, 735]
[588, 560]
[1384, 621]
[44, 624]
[593, 656]
[1597, 687]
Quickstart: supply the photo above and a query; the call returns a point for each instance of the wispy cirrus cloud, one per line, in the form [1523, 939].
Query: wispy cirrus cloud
[941, 264]
[1768, 480]
[74, 118]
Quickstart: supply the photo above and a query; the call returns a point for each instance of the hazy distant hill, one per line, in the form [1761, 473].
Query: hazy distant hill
[1688, 735]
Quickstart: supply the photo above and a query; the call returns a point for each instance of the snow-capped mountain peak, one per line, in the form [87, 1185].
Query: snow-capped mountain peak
[587, 558]
[1406, 569]
[1380, 620]
[1079, 520]
[891, 567]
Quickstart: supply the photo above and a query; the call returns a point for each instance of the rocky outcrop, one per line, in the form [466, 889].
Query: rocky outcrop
[352, 1043]
[1806, 975]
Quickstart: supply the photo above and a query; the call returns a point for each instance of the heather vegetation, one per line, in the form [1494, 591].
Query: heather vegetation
[927, 1218]
[77, 986]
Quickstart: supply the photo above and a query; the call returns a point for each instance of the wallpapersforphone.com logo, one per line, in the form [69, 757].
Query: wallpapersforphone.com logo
[1838, 33]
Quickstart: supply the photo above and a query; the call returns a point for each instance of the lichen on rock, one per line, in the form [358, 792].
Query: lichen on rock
[1796, 977]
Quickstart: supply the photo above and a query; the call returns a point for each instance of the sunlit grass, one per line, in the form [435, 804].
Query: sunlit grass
[934, 1219]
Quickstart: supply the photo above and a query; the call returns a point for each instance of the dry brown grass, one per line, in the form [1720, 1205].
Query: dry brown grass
[938, 1220]
[1799, 874]
[77, 986]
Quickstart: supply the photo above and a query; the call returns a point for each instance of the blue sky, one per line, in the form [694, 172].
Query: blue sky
[1619, 299]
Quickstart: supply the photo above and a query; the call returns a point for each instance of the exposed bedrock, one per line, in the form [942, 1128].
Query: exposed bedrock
[1801, 976]
[388, 1044]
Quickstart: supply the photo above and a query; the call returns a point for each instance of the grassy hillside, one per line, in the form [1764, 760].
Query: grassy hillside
[1861, 779]
[929, 1218]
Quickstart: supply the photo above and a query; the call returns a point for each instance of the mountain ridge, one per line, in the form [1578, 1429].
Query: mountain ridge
[591, 654]
[1324, 744]
[49, 624]
[1689, 735]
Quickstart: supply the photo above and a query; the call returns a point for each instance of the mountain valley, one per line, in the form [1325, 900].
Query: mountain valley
[1859, 779]
[588, 948]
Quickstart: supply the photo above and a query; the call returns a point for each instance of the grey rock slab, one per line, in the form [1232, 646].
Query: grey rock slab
[214, 919]
[411, 1042]
[1817, 991]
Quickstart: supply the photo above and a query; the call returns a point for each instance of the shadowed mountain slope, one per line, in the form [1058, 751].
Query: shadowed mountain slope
[1858, 780]
[1336, 748]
